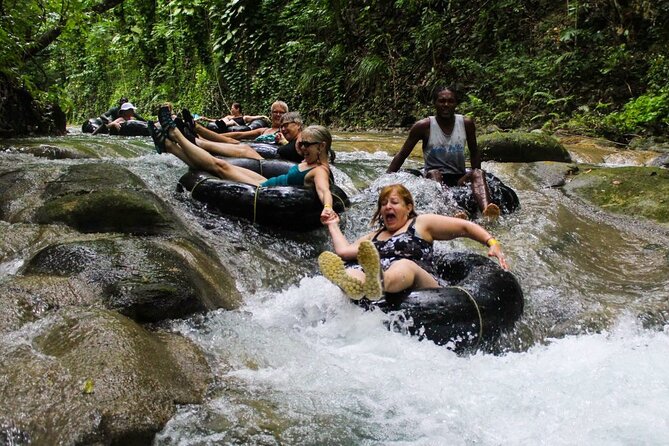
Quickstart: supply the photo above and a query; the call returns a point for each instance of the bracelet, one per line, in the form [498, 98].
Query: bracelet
[491, 242]
[327, 206]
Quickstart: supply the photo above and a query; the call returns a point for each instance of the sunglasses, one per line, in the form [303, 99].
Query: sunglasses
[305, 144]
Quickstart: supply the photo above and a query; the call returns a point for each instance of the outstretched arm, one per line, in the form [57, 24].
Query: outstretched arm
[470, 131]
[438, 227]
[322, 185]
[416, 133]
[344, 249]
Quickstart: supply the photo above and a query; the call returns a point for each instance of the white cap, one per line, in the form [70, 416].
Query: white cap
[127, 106]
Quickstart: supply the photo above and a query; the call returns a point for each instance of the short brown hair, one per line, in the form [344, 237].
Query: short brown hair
[404, 194]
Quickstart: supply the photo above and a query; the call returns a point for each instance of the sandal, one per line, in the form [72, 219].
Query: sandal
[158, 137]
[332, 267]
[189, 135]
[188, 119]
[165, 118]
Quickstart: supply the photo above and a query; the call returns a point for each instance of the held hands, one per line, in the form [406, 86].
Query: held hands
[496, 251]
[329, 216]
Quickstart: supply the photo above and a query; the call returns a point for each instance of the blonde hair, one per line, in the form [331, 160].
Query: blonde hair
[280, 103]
[322, 134]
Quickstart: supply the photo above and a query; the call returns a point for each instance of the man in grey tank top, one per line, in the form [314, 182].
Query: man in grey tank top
[444, 136]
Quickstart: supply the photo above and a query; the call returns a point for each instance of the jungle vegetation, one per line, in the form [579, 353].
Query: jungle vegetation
[597, 66]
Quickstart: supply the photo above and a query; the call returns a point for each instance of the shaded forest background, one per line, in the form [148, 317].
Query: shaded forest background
[595, 66]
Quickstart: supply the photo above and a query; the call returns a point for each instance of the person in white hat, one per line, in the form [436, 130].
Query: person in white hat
[126, 113]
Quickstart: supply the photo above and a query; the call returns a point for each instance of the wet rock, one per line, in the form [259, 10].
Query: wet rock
[21, 188]
[661, 161]
[28, 299]
[518, 147]
[96, 197]
[52, 152]
[652, 143]
[552, 174]
[147, 280]
[634, 191]
[19, 240]
[90, 376]
[105, 198]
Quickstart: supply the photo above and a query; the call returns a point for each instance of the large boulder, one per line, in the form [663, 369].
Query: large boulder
[96, 197]
[91, 376]
[521, 147]
[146, 279]
[105, 198]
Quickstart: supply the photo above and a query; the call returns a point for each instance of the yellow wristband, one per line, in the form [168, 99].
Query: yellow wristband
[327, 206]
[491, 242]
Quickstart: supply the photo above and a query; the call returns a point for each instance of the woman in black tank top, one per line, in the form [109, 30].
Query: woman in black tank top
[398, 256]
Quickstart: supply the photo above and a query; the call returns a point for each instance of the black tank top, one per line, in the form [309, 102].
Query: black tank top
[406, 245]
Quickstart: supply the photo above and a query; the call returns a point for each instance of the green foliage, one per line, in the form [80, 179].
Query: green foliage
[648, 113]
[532, 63]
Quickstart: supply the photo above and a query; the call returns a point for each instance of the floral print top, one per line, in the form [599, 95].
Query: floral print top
[406, 245]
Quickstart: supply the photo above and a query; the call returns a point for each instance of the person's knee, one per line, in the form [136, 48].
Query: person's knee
[476, 174]
[221, 165]
[400, 275]
[247, 150]
[434, 174]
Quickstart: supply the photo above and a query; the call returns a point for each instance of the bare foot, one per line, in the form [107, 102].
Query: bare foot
[491, 212]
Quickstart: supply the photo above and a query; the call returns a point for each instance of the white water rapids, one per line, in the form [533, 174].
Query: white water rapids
[301, 365]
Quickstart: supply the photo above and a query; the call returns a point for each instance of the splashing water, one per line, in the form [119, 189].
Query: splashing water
[299, 364]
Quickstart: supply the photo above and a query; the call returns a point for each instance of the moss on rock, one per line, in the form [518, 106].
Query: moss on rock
[634, 191]
[91, 376]
[519, 147]
[145, 279]
[105, 198]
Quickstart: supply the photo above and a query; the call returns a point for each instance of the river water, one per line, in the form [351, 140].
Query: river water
[301, 365]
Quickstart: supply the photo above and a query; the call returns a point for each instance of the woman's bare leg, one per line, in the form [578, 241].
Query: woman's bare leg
[199, 158]
[225, 149]
[213, 136]
[404, 274]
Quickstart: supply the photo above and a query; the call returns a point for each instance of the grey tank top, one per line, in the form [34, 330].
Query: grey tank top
[446, 152]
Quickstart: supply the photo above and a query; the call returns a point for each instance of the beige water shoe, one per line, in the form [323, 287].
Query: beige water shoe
[368, 258]
[332, 267]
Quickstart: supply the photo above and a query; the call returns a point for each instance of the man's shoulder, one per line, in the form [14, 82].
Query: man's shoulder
[421, 125]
